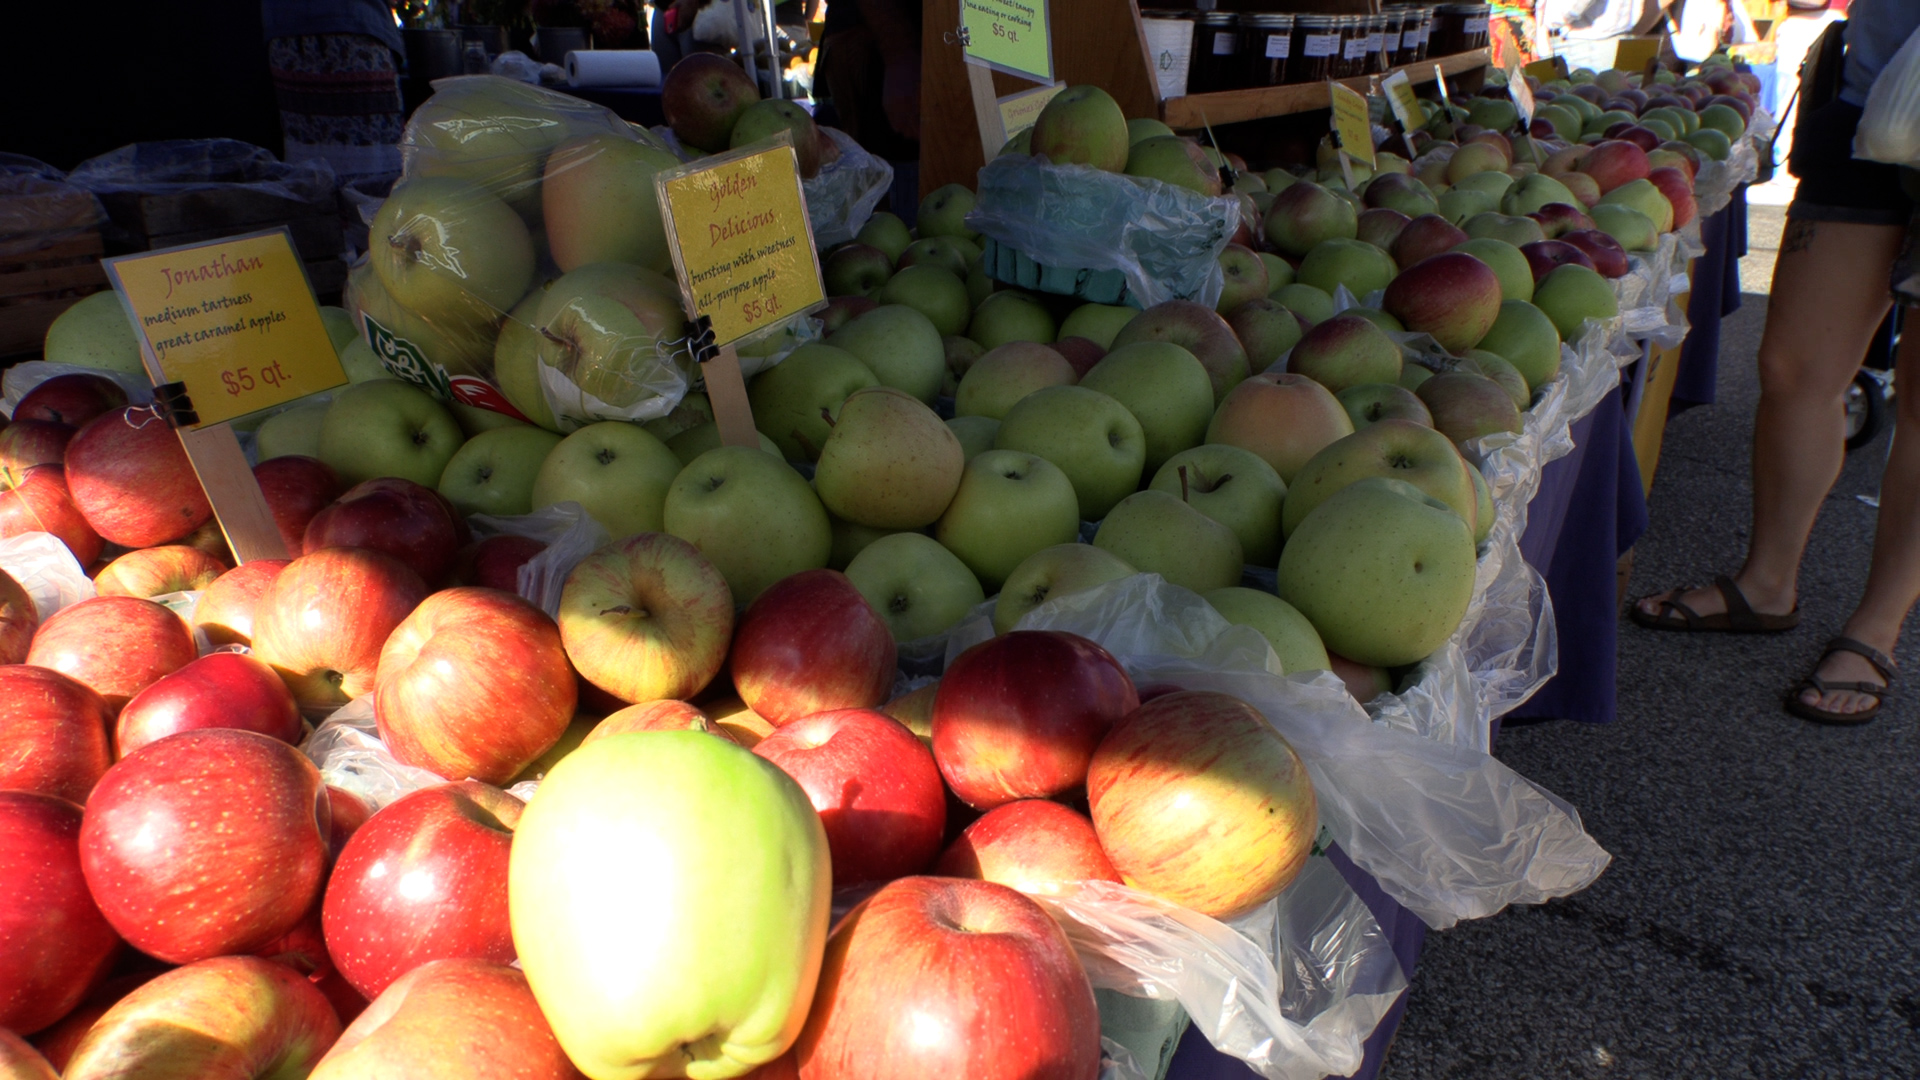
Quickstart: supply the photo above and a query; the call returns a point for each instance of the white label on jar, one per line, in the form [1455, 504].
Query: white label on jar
[1417, 36]
[1171, 42]
[1376, 42]
[1277, 46]
[1477, 25]
[1322, 44]
[1223, 43]
[1394, 41]
[1356, 48]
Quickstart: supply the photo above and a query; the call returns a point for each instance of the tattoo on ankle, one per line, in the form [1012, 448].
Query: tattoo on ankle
[1798, 235]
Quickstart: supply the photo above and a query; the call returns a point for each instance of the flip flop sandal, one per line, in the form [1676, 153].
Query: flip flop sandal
[1739, 618]
[1878, 691]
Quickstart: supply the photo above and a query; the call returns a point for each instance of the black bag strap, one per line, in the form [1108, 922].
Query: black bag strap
[1822, 71]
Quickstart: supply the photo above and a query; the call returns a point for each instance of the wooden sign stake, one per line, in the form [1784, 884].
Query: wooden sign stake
[727, 391]
[238, 504]
[986, 110]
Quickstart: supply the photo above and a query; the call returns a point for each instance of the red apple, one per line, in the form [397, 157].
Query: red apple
[1625, 131]
[1082, 353]
[219, 690]
[665, 715]
[1428, 234]
[19, 618]
[40, 502]
[450, 1020]
[157, 571]
[53, 734]
[227, 1017]
[1616, 161]
[810, 643]
[71, 399]
[938, 977]
[350, 811]
[495, 562]
[1544, 255]
[59, 1041]
[1032, 845]
[322, 622]
[1019, 716]
[876, 788]
[702, 97]
[118, 645]
[1197, 799]
[1452, 296]
[424, 879]
[1602, 250]
[1364, 681]
[1558, 219]
[206, 843]
[225, 611]
[644, 618]
[296, 488]
[414, 524]
[132, 479]
[26, 443]
[841, 310]
[1678, 188]
[473, 684]
[20, 1061]
[54, 943]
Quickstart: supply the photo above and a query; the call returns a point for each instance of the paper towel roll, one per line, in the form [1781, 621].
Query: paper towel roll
[613, 67]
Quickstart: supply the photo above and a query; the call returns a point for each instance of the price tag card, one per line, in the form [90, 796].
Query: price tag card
[1352, 124]
[1632, 54]
[1019, 111]
[1011, 35]
[1522, 95]
[1402, 100]
[741, 241]
[1553, 67]
[233, 320]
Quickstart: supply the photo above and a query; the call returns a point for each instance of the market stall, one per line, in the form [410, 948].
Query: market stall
[772, 592]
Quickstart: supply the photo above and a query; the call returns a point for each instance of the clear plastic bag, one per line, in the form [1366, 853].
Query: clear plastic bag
[178, 165]
[842, 195]
[44, 567]
[1164, 239]
[39, 208]
[570, 535]
[347, 749]
[21, 378]
[1889, 128]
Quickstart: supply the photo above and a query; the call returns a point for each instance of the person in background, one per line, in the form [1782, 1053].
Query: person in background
[337, 77]
[1845, 234]
[870, 69]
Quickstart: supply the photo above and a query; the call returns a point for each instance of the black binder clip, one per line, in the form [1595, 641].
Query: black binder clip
[701, 340]
[174, 405]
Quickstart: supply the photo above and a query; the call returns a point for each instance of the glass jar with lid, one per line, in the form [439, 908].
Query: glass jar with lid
[1315, 49]
[1216, 53]
[1379, 47]
[1396, 19]
[1459, 28]
[1353, 47]
[1416, 32]
[1266, 45]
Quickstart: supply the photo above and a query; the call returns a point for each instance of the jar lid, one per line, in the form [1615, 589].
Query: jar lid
[1169, 13]
[1218, 18]
[1317, 22]
[1267, 21]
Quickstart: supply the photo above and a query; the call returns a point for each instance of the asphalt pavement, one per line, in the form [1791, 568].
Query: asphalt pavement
[1759, 919]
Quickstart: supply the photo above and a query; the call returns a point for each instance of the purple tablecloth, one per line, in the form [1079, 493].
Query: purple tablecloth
[1716, 294]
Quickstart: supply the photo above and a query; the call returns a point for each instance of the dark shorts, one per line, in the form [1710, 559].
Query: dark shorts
[1834, 185]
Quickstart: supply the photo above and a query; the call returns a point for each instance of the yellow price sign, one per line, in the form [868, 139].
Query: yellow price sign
[1549, 69]
[1522, 95]
[1351, 124]
[234, 321]
[1012, 35]
[1403, 101]
[741, 241]
[1019, 111]
[1632, 54]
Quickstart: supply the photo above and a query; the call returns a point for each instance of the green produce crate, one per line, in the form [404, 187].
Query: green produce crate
[1011, 267]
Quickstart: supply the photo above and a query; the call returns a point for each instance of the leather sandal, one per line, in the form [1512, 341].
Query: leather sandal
[1878, 691]
[1739, 618]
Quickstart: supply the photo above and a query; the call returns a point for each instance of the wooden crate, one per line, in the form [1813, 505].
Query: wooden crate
[37, 286]
[144, 222]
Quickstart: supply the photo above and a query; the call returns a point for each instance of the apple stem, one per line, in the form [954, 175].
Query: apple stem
[827, 415]
[1183, 483]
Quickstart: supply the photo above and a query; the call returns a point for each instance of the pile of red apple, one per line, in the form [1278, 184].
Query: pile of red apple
[191, 898]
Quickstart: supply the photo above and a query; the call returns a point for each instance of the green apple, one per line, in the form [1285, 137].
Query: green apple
[1266, 329]
[890, 462]
[1098, 323]
[493, 473]
[1496, 114]
[1051, 573]
[96, 333]
[1515, 230]
[1412, 375]
[1009, 505]
[961, 352]
[1358, 265]
[1004, 375]
[950, 253]
[974, 433]
[473, 419]
[1461, 204]
[944, 213]
[850, 540]
[615, 470]
[900, 346]
[1344, 351]
[1466, 405]
[492, 132]
[461, 345]
[1506, 262]
[1370, 403]
[1293, 638]
[1082, 125]
[1723, 118]
[388, 428]
[1173, 160]
[1483, 512]
[1398, 449]
[1493, 183]
[751, 515]
[1283, 418]
[918, 587]
[795, 401]
[1570, 294]
[293, 432]
[357, 359]
[1634, 230]
[450, 252]
[767, 119]
[1643, 196]
[694, 410]
[1090, 436]
[600, 329]
[598, 201]
[341, 326]
[695, 441]
[1382, 570]
[886, 232]
[1233, 487]
[1710, 141]
[1166, 389]
[647, 856]
[1279, 271]
[1010, 315]
[516, 360]
[1495, 367]
[1530, 193]
[1476, 157]
[933, 291]
[1145, 128]
[1313, 305]
[1243, 278]
[1157, 533]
